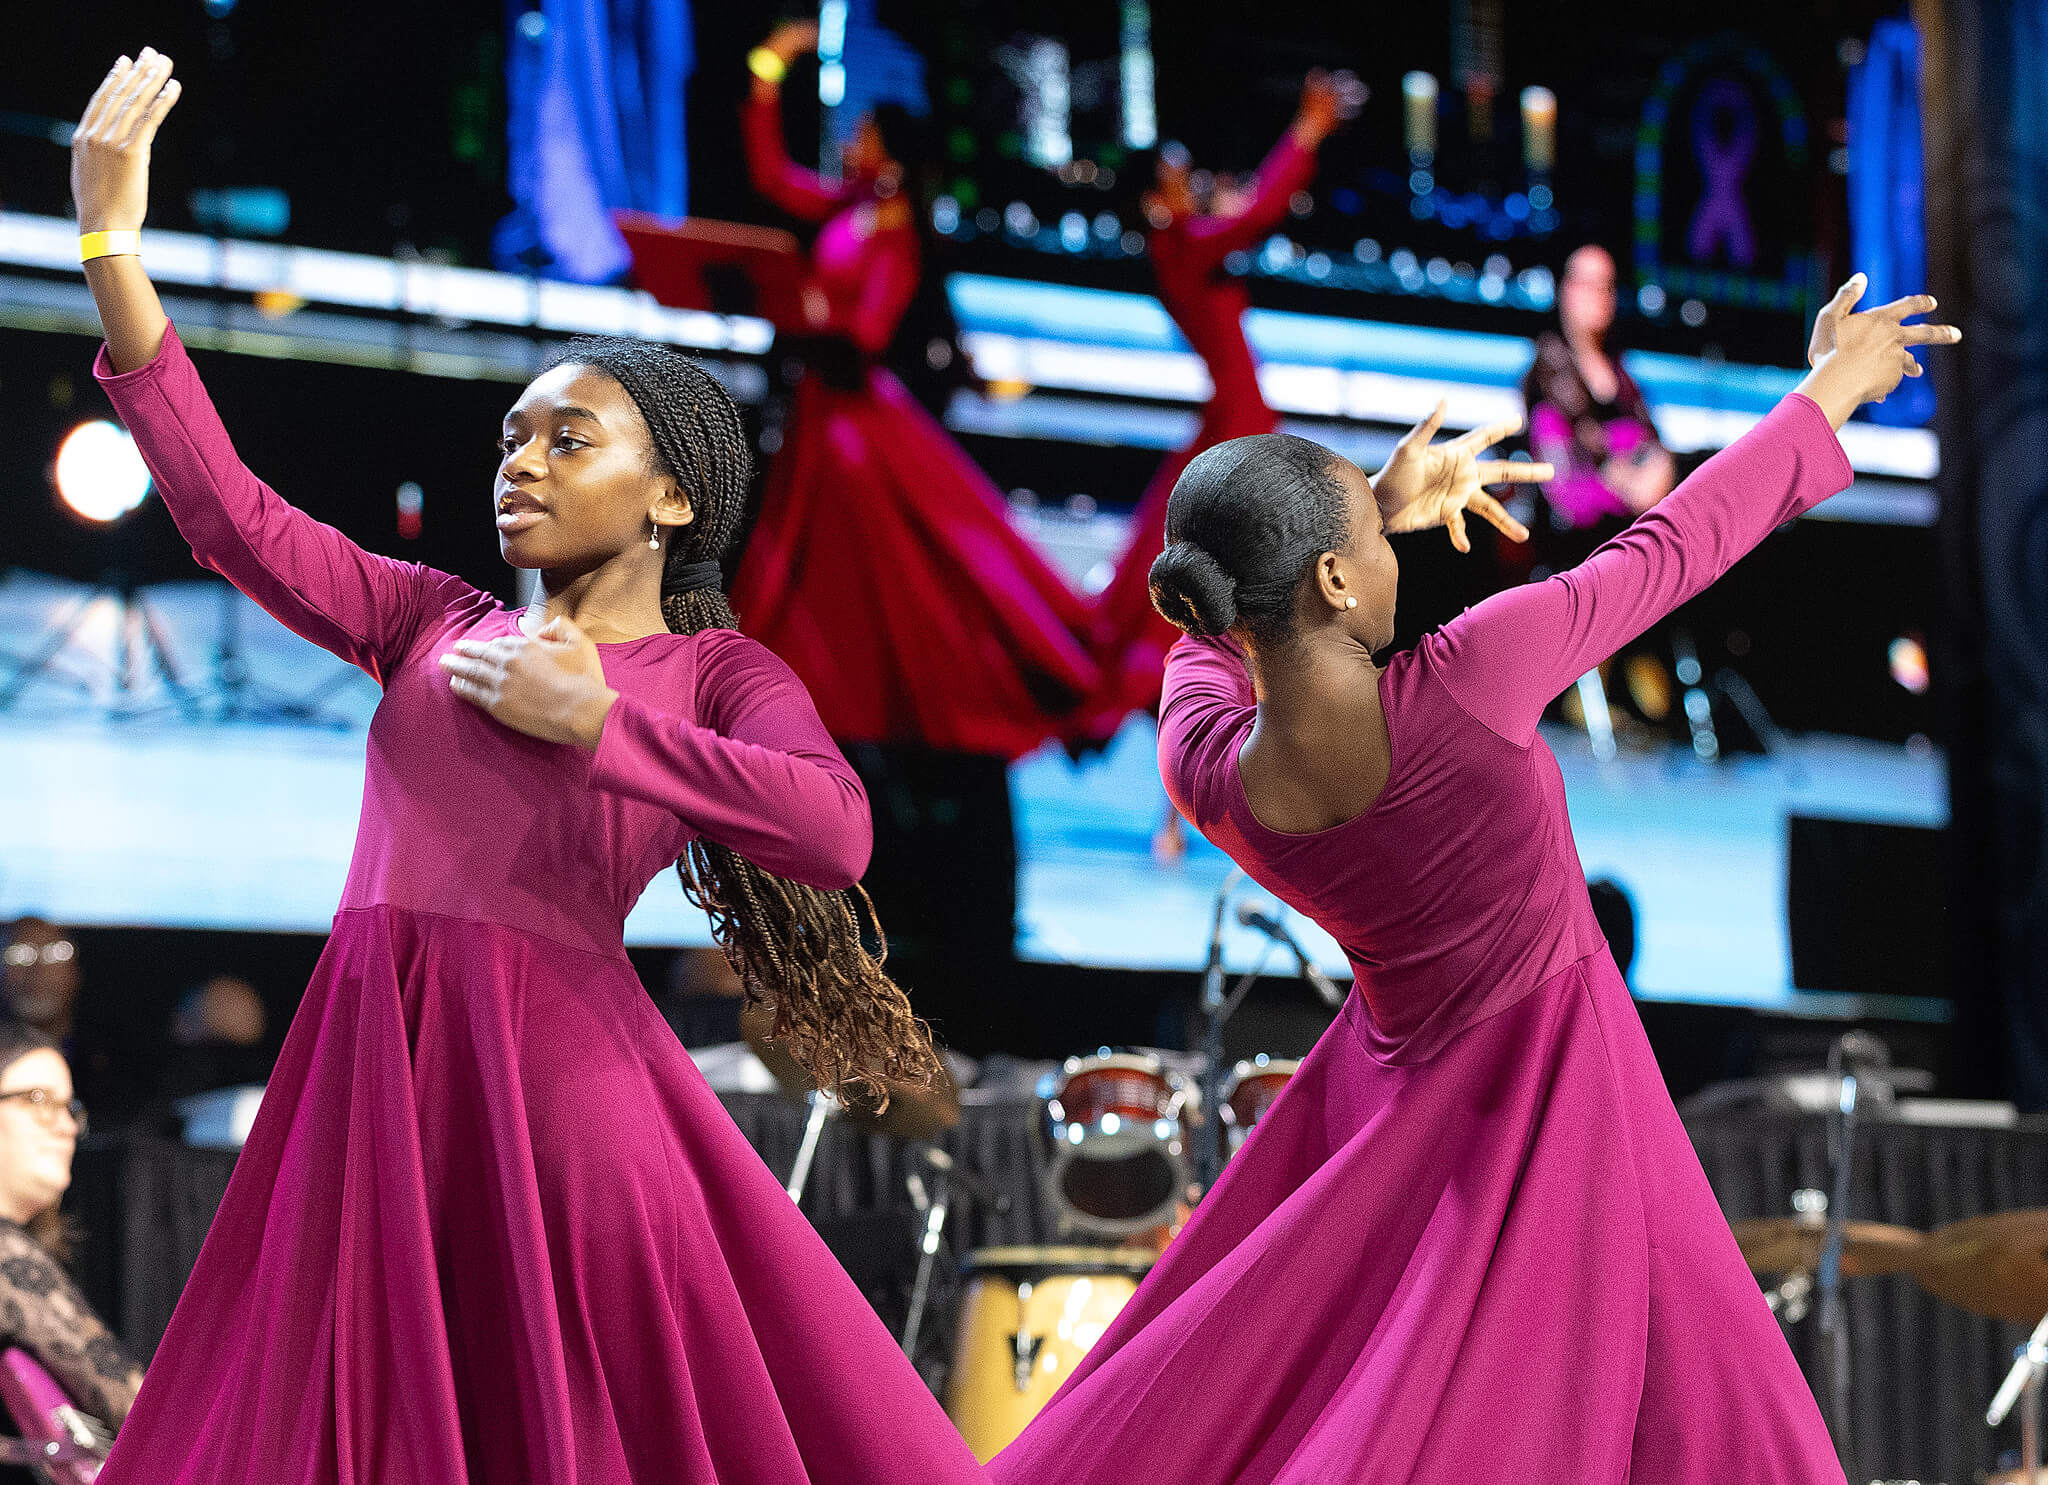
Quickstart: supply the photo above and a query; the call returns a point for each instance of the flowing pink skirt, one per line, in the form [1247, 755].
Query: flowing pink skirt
[492, 1226]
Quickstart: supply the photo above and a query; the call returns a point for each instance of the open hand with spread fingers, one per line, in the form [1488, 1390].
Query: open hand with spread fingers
[1426, 484]
[1859, 357]
[550, 685]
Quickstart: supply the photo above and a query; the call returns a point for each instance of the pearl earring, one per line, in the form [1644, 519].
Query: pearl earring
[1351, 603]
[653, 537]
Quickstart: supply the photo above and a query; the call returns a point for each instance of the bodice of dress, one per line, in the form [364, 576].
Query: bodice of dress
[866, 272]
[1459, 889]
[462, 815]
[1208, 303]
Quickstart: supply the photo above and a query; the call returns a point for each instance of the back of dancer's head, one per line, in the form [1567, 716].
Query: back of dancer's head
[1245, 523]
[798, 947]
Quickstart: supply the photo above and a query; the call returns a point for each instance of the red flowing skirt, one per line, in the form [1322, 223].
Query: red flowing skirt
[885, 571]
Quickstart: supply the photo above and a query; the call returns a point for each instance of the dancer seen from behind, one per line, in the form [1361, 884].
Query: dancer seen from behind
[1472, 1227]
[491, 1225]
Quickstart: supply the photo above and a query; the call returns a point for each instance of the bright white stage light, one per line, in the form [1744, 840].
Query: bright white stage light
[98, 473]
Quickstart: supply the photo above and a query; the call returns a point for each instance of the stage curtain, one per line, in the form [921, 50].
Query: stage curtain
[594, 117]
[1986, 119]
[1887, 219]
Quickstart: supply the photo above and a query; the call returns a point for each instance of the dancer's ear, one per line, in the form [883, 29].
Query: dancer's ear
[673, 508]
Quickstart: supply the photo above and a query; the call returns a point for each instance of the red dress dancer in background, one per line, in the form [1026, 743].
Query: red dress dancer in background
[1187, 249]
[884, 568]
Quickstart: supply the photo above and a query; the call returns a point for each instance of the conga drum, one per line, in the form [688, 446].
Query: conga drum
[1028, 1317]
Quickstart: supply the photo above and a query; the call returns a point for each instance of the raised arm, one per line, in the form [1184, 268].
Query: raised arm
[1507, 658]
[757, 772]
[1287, 168]
[309, 576]
[1204, 703]
[802, 193]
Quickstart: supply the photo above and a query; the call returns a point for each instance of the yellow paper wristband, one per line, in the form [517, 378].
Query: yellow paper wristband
[766, 65]
[125, 242]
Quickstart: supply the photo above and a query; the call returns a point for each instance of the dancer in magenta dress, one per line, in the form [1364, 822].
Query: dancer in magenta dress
[884, 568]
[1186, 248]
[1470, 1239]
[491, 1224]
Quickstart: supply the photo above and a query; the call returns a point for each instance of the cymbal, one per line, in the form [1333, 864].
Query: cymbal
[1784, 1245]
[1994, 1265]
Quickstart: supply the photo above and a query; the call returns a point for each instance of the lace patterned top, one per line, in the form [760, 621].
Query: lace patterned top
[42, 1311]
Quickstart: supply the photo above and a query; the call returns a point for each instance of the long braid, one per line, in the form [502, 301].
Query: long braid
[800, 949]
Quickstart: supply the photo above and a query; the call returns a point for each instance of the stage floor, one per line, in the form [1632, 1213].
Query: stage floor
[156, 819]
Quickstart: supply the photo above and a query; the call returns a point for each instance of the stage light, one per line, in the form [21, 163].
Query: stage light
[98, 474]
[1908, 659]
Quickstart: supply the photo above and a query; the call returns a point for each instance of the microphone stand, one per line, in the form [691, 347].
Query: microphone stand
[1860, 1050]
[1215, 1011]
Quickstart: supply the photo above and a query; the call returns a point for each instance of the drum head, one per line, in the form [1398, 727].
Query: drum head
[1121, 1193]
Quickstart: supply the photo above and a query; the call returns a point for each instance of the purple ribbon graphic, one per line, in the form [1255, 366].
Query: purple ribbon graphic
[1724, 143]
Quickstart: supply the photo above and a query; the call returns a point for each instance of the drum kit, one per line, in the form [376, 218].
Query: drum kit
[1131, 1138]
[1120, 1136]
[1994, 1265]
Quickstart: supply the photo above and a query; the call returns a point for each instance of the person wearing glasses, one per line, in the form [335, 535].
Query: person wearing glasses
[41, 1310]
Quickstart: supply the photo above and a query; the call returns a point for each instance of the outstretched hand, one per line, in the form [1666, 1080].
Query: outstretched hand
[1426, 484]
[1861, 357]
[110, 147]
[550, 686]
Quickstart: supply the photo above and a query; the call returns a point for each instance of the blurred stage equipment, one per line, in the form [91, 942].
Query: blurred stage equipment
[1217, 1007]
[1029, 1316]
[1249, 1092]
[99, 477]
[1117, 1131]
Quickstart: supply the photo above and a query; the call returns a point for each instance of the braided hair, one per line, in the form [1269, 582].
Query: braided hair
[801, 950]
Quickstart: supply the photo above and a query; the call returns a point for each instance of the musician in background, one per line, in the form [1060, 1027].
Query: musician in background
[41, 1310]
[1588, 418]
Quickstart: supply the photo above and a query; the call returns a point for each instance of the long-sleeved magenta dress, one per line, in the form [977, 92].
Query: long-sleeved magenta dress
[1129, 638]
[491, 1225]
[884, 568]
[1470, 1240]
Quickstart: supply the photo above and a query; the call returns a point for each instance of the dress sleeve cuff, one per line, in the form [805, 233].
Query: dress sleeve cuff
[1819, 438]
[169, 354]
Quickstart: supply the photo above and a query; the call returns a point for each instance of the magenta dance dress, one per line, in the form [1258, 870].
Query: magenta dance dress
[491, 1225]
[1471, 1239]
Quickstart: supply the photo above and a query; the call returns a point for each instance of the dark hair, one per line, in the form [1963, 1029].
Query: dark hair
[1244, 524]
[795, 947]
[54, 1231]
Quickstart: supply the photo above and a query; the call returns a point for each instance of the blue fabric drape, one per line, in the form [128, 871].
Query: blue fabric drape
[1887, 215]
[594, 110]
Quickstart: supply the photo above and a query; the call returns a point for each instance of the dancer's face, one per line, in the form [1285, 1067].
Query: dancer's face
[36, 1143]
[1365, 570]
[1585, 295]
[578, 483]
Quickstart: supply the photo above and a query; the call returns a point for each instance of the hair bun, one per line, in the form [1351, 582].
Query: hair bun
[1192, 591]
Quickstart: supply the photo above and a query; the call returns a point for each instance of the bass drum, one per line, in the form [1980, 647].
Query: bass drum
[1027, 1318]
